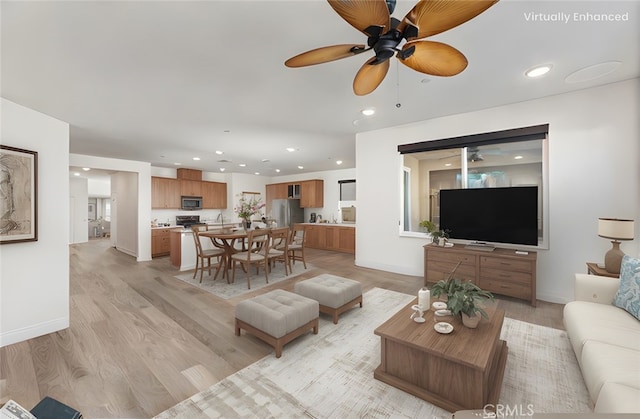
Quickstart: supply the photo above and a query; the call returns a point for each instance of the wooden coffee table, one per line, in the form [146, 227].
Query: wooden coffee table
[456, 371]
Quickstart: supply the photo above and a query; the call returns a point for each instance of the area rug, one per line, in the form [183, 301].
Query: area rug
[222, 289]
[330, 375]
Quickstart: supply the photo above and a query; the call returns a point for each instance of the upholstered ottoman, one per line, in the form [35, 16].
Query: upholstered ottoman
[334, 293]
[277, 317]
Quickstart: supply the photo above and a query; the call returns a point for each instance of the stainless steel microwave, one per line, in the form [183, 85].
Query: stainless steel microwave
[191, 203]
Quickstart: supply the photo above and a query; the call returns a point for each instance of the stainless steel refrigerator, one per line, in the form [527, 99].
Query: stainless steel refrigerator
[287, 212]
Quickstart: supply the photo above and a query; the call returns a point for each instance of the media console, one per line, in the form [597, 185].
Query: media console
[502, 271]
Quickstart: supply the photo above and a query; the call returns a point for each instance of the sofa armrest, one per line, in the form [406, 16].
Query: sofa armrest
[595, 288]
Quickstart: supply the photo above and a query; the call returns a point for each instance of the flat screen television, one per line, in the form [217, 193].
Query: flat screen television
[495, 215]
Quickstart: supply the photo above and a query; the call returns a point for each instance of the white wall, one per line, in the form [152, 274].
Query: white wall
[99, 188]
[124, 210]
[78, 212]
[34, 276]
[142, 250]
[594, 151]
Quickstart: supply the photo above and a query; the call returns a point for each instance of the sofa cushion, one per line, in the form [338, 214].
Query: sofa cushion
[618, 398]
[628, 295]
[585, 321]
[604, 363]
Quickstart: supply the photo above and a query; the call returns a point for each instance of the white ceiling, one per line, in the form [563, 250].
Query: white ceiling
[166, 81]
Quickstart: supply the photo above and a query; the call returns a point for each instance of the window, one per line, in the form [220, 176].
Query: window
[347, 190]
[500, 159]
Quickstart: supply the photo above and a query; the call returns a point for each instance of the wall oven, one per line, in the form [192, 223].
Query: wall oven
[191, 203]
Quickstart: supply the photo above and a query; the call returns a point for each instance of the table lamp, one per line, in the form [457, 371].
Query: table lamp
[616, 229]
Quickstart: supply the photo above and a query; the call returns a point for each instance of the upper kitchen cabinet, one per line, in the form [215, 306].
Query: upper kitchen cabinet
[189, 174]
[312, 193]
[275, 191]
[190, 187]
[214, 195]
[165, 192]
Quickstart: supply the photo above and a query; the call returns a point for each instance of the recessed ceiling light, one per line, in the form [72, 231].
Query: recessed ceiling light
[518, 157]
[291, 149]
[257, 173]
[538, 71]
[218, 152]
[447, 164]
[264, 160]
[277, 170]
[76, 174]
[86, 169]
[300, 167]
[177, 164]
[368, 111]
[196, 158]
[593, 72]
[242, 165]
[222, 169]
[338, 161]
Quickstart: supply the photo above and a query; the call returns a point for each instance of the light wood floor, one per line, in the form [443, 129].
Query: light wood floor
[141, 341]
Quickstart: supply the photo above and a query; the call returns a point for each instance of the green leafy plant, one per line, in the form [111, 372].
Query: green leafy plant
[433, 230]
[462, 296]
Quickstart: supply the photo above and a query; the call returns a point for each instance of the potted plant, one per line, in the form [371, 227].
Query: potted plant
[463, 298]
[433, 230]
[247, 207]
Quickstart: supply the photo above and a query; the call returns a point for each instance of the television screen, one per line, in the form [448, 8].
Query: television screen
[497, 215]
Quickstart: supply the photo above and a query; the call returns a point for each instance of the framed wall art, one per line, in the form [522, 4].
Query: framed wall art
[18, 195]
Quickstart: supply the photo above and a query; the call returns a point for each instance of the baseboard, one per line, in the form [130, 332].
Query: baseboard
[127, 251]
[30, 332]
[403, 270]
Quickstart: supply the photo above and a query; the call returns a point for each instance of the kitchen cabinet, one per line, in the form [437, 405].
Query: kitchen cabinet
[160, 242]
[274, 191]
[189, 174]
[501, 271]
[165, 193]
[333, 237]
[190, 187]
[312, 193]
[214, 195]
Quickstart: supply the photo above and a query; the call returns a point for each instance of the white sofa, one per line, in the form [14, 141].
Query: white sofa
[606, 341]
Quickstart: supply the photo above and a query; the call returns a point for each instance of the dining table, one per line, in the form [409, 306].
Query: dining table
[226, 238]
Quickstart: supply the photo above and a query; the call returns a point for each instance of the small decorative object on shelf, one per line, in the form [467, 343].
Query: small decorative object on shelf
[438, 237]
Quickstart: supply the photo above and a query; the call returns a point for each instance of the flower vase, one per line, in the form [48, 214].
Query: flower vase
[246, 224]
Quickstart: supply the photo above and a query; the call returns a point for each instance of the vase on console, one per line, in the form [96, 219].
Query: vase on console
[246, 224]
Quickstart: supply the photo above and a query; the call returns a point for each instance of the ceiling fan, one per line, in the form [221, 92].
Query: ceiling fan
[385, 34]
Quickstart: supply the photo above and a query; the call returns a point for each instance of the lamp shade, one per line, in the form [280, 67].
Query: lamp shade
[616, 229]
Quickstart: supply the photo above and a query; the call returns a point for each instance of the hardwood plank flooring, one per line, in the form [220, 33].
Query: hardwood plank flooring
[141, 340]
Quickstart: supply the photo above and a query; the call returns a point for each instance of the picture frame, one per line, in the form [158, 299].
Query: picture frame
[18, 195]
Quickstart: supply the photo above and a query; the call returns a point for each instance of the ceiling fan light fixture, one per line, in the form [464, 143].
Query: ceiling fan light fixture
[538, 71]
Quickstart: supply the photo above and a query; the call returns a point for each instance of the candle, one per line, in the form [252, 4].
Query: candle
[424, 299]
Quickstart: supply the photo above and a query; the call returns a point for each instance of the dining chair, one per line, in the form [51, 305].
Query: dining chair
[279, 248]
[206, 254]
[296, 244]
[257, 248]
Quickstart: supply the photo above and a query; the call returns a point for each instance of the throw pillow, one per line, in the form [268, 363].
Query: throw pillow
[628, 295]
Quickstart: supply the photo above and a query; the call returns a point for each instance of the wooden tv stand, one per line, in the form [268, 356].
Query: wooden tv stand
[500, 271]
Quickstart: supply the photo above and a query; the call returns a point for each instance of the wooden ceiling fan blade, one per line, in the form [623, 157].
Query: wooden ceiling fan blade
[435, 16]
[324, 55]
[362, 14]
[434, 58]
[370, 76]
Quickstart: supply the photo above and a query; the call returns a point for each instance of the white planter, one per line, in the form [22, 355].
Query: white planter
[471, 322]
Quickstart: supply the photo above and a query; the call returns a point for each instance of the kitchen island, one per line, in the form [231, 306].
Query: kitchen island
[183, 248]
